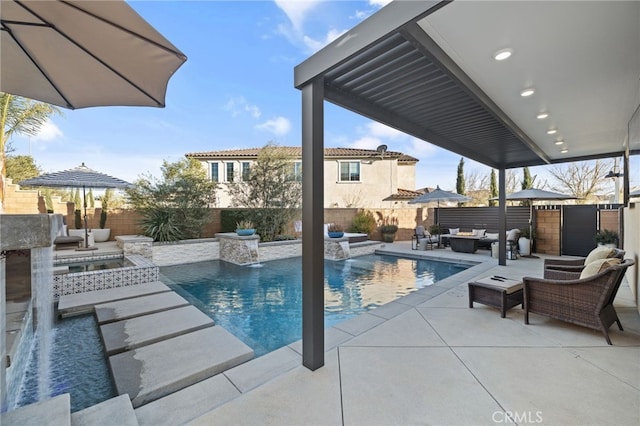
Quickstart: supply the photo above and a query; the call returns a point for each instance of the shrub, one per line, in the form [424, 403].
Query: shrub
[435, 229]
[78, 219]
[363, 223]
[161, 225]
[334, 227]
[606, 236]
[244, 224]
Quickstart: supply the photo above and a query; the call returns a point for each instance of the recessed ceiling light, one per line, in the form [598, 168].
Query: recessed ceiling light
[502, 54]
[527, 92]
[542, 115]
[559, 142]
[564, 150]
[552, 131]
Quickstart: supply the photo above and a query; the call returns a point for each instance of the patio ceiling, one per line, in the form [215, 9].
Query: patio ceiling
[427, 68]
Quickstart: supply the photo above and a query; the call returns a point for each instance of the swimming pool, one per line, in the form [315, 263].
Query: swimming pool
[263, 306]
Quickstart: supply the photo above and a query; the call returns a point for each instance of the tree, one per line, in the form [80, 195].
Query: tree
[493, 189]
[460, 186]
[21, 167]
[582, 180]
[19, 116]
[271, 190]
[477, 187]
[527, 183]
[90, 200]
[176, 206]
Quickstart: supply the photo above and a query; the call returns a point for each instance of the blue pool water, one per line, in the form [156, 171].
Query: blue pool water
[263, 306]
[78, 365]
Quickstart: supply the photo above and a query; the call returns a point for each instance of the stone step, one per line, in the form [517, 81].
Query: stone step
[138, 306]
[53, 411]
[82, 303]
[114, 411]
[141, 331]
[151, 372]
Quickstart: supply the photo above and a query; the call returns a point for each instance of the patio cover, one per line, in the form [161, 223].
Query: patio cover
[426, 68]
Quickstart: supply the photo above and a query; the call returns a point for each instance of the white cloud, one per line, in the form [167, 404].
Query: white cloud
[379, 3]
[238, 105]
[279, 126]
[48, 132]
[297, 11]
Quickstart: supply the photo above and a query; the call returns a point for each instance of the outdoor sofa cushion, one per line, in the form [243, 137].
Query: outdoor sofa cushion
[478, 232]
[599, 253]
[454, 231]
[492, 236]
[598, 266]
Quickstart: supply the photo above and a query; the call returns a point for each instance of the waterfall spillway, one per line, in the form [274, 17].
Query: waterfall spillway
[42, 293]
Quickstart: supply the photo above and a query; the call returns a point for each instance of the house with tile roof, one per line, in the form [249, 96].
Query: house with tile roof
[352, 177]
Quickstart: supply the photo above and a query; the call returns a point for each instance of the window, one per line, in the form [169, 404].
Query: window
[350, 171]
[229, 172]
[246, 170]
[295, 171]
[215, 172]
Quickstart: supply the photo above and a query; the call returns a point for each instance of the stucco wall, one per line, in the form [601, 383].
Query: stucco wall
[631, 220]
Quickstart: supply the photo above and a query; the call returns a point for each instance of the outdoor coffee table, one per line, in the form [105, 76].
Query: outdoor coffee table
[499, 292]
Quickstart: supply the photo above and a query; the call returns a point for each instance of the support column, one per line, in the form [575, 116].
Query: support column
[502, 217]
[313, 225]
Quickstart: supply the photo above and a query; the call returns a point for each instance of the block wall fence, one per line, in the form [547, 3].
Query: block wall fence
[125, 221]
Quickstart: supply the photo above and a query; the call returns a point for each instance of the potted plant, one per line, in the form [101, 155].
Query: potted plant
[335, 231]
[524, 243]
[103, 234]
[435, 229]
[245, 228]
[606, 237]
[388, 229]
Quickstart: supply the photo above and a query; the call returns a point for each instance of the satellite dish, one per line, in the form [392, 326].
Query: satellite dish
[381, 149]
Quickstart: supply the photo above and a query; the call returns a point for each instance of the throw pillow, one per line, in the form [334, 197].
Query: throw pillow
[598, 266]
[478, 232]
[599, 253]
[454, 231]
[492, 236]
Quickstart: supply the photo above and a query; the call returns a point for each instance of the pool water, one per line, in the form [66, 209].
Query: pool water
[263, 306]
[78, 365]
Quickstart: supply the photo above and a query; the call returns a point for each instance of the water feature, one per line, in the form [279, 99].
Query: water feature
[41, 266]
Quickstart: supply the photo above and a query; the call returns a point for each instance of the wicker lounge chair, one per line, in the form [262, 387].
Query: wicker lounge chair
[587, 302]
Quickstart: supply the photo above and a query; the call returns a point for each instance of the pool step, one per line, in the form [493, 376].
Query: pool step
[141, 331]
[82, 303]
[114, 411]
[135, 307]
[151, 372]
[53, 411]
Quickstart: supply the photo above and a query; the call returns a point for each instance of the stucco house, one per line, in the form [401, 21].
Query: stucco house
[352, 177]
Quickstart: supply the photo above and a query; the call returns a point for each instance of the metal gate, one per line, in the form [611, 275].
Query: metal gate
[579, 225]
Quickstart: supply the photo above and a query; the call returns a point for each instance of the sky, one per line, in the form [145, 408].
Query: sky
[235, 91]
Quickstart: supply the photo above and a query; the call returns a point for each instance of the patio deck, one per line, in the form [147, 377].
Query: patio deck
[429, 359]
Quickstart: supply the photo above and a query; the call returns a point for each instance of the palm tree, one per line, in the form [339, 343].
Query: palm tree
[19, 116]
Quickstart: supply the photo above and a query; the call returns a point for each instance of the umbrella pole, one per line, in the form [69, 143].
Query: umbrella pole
[86, 230]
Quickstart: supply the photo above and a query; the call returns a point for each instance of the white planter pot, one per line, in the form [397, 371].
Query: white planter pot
[101, 235]
[80, 233]
[524, 245]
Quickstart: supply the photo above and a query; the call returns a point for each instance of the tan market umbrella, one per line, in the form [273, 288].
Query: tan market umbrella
[79, 54]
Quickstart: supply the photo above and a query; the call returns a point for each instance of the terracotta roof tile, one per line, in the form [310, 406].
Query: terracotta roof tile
[295, 151]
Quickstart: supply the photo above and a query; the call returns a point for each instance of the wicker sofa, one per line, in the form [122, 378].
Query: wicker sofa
[575, 265]
[587, 302]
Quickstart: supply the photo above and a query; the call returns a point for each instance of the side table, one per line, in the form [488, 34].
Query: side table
[499, 292]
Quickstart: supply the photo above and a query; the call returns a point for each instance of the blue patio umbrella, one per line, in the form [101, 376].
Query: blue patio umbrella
[78, 177]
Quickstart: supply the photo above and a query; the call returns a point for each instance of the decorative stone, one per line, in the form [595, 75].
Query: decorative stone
[238, 249]
[136, 244]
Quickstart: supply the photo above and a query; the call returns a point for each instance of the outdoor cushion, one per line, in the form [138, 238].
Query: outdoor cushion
[491, 236]
[478, 232]
[598, 266]
[513, 234]
[599, 253]
[454, 231]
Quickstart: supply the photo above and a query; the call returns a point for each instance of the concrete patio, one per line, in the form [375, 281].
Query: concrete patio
[429, 359]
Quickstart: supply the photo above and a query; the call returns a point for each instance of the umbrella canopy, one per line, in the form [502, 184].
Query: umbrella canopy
[533, 194]
[438, 195]
[79, 177]
[79, 54]
[635, 193]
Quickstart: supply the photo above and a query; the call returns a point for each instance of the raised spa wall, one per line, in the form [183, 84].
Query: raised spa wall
[232, 248]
